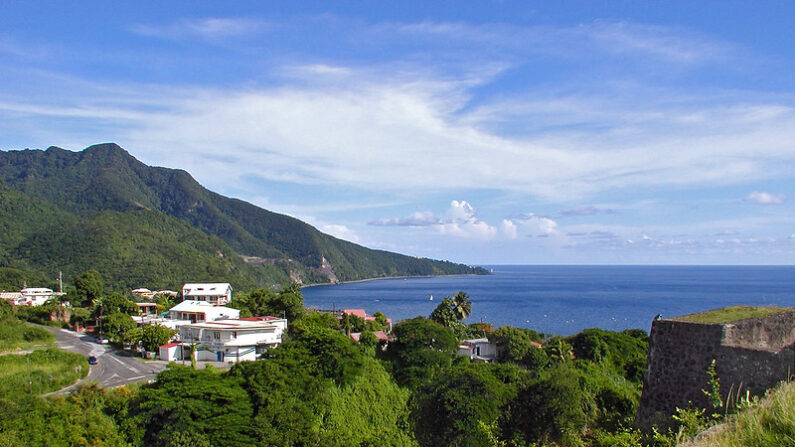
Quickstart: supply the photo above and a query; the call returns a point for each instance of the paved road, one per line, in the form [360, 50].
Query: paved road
[114, 367]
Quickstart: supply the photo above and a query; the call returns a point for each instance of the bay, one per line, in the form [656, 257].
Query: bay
[567, 299]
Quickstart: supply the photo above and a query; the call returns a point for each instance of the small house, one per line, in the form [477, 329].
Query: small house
[478, 350]
[217, 294]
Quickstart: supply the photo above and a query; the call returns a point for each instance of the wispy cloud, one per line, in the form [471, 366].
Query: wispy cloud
[205, 28]
[765, 198]
[459, 220]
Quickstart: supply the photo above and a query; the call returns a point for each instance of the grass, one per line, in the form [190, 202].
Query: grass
[40, 371]
[770, 423]
[733, 313]
[18, 335]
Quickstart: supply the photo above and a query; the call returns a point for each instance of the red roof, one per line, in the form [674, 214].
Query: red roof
[536, 344]
[358, 312]
[381, 335]
[362, 314]
[170, 345]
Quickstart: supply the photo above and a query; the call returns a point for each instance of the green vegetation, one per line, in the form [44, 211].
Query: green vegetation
[40, 372]
[139, 225]
[17, 335]
[287, 303]
[321, 388]
[734, 313]
[769, 422]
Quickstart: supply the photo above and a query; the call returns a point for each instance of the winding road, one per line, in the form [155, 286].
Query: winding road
[114, 367]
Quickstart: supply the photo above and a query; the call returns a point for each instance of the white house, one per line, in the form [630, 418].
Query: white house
[198, 311]
[216, 294]
[38, 296]
[229, 340]
[478, 350]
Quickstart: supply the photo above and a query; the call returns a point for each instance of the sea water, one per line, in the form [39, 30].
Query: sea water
[567, 299]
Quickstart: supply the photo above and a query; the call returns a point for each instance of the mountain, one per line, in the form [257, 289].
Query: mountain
[150, 226]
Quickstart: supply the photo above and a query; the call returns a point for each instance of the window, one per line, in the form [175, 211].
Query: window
[216, 335]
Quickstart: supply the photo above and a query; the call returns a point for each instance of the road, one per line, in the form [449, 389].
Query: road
[114, 367]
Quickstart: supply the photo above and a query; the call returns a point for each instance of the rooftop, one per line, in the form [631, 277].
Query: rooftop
[235, 324]
[733, 313]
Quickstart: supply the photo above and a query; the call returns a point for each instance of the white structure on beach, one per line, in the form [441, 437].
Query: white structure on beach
[216, 294]
[227, 340]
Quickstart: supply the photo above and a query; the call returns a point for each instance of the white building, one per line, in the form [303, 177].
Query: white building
[229, 340]
[199, 311]
[478, 350]
[15, 298]
[216, 294]
[38, 296]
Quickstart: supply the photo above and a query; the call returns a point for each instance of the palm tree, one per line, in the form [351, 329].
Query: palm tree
[461, 305]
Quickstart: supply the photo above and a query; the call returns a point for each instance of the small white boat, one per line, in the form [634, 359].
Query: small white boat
[431, 298]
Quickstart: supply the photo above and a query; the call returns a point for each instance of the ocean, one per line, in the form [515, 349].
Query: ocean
[567, 299]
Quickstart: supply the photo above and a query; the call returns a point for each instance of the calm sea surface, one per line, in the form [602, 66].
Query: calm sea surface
[566, 299]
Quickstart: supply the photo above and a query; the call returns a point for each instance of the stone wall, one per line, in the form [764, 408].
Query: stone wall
[752, 354]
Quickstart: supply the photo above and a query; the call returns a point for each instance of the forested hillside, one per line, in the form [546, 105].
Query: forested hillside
[140, 225]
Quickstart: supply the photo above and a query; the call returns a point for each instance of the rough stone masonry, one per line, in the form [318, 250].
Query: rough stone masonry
[753, 354]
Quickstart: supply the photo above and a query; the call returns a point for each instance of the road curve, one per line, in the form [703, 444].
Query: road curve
[114, 367]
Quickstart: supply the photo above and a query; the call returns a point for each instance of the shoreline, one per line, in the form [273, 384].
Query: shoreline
[390, 277]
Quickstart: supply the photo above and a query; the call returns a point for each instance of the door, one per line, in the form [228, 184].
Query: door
[220, 356]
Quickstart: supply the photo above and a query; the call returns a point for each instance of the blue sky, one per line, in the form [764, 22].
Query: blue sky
[623, 132]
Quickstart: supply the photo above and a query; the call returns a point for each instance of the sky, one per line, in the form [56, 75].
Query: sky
[493, 132]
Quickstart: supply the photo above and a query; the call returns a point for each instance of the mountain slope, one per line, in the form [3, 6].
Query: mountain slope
[87, 185]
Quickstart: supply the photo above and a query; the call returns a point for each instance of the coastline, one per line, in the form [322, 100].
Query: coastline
[392, 277]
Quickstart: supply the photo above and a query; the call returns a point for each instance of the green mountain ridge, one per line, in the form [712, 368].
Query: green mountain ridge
[141, 225]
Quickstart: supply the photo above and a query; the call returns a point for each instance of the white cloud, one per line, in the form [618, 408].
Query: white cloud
[417, 219]
[405, 125]
[208, 28]
[460, 220]
[508, 228]
[764, 198]
[340, 231]
[532, 225]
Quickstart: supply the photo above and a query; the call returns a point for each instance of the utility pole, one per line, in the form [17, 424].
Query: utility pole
[60, 282]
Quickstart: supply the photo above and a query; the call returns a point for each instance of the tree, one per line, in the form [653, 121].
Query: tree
[287, 303]
[186, 405]
[117, 324]
[153, 336]
[558, 350]
[88, 287]
[422, 348]
[447, 315]
[549, 410]
[164, 302]
[516, 345]
[300, 402]
[457, 407]
[461, 305]
[116, 302]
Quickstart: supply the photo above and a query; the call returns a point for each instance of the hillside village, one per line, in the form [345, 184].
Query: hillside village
[203, 327]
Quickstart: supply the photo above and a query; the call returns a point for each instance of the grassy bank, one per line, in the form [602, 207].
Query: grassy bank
[18, 335]
[770, 423]
[733, 313]
[39, 372]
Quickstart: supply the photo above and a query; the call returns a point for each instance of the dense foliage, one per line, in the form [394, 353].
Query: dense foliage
[140, 225]
[322, 388]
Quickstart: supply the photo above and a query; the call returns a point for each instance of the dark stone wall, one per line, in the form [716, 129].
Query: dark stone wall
[752, 354]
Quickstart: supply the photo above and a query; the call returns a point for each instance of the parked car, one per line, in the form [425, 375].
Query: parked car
[92, 360]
